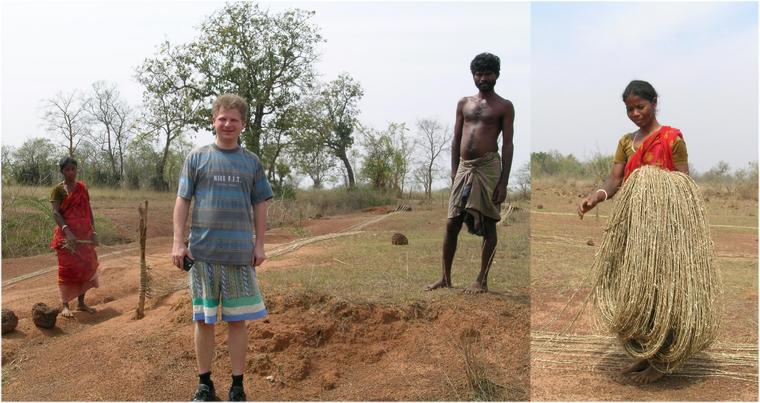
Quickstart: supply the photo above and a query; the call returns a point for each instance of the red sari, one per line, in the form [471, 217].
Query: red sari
[77, 269]
[657, 150]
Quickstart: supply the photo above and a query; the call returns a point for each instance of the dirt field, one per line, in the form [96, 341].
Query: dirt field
[348, 320]
[583, 364]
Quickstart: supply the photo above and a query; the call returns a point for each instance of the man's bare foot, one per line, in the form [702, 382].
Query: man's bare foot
[648, 375]
[85, 308]
[66, 312]
[476, 288]
[442, 283]
[637, 366]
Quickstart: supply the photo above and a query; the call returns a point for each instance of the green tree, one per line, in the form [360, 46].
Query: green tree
[139, 152]
[35, 162]
[170, 107]
[554, 163]
[339, 100]
[385, 163]
[310, 155]
[599, 166]
[7, 164]
[266, 59]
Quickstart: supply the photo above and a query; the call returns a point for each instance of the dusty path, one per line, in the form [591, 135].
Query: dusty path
[17, 269]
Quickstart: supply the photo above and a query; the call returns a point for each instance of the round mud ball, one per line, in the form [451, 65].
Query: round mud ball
[399, 239]
[43, 316]
[540, 206]
[10, 321]
[590, 242]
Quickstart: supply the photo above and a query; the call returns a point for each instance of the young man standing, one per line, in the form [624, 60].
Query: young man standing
[479, 177]
[226, 181]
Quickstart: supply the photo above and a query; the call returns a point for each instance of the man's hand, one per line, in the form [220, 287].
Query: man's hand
[500, 193]
[587, 204]
[179, 251]
[258, 255]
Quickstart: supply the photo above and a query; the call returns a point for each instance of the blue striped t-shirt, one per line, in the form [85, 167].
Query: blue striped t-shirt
[225, 184]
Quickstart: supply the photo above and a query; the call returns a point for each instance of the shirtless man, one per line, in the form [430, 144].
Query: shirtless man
[479, 178]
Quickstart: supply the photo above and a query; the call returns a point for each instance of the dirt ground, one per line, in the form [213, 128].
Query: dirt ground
[583, 365]
[312, 346]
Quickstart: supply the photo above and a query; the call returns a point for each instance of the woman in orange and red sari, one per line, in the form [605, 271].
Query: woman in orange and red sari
[74, 239]
[651, 144]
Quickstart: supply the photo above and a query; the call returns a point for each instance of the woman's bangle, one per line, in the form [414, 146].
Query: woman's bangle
[605, 193]
[64, 227]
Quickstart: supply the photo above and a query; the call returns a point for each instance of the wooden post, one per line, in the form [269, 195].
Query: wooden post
[142, 230]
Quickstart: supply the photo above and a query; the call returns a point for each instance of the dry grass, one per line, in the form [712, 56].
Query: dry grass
[367, 267]
[479, 379]
[27, 222]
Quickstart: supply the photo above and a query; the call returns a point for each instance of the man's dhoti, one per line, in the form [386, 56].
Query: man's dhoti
[472, 191]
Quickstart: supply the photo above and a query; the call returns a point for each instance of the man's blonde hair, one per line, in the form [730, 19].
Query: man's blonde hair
[230, 101]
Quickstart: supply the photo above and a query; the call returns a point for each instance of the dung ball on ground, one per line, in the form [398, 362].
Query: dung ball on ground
[10, 321]
[43, 316]
[399, 239]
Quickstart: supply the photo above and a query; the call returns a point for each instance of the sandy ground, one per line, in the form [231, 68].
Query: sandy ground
[585, 365]
[311, 347]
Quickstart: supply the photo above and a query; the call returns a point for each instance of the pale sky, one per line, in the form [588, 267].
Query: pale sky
[702, 58]
[412, 59]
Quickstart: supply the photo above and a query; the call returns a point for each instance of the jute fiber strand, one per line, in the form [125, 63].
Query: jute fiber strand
[657, 287]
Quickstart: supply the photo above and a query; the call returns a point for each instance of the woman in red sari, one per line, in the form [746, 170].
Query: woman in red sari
[74, 238]
[651, 144]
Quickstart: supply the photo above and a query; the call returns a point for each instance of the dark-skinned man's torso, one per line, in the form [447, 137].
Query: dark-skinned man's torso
[481, 124]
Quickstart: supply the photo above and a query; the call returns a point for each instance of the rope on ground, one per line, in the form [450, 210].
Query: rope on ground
[598, 353]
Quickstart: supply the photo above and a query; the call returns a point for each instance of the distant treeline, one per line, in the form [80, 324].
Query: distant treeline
[556, 164]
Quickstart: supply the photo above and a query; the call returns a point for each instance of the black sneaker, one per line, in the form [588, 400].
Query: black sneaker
[237, 394]
[205, 393]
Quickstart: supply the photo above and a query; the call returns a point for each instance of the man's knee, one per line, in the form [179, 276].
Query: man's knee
[202, 325]
[236, 325]
[454, 225]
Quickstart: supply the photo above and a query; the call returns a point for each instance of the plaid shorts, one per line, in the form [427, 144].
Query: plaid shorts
[233, 285]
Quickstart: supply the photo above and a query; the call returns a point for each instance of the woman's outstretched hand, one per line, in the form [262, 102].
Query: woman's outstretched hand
[587, 204]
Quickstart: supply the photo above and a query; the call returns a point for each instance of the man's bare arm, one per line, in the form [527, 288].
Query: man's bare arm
[507, 151]
[179, 219]
[507, 146]
[456, 142]
[260, 226]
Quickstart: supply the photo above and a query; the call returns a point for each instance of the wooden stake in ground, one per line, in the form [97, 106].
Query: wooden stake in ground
[142, 230]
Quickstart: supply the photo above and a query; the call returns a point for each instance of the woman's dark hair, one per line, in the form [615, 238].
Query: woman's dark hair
[66, 161]
[642, 89]
[485, 62]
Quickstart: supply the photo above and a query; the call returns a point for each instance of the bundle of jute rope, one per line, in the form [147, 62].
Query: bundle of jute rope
[656, 284]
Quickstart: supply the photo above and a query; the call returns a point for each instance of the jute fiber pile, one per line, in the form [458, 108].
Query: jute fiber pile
[656, 284]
